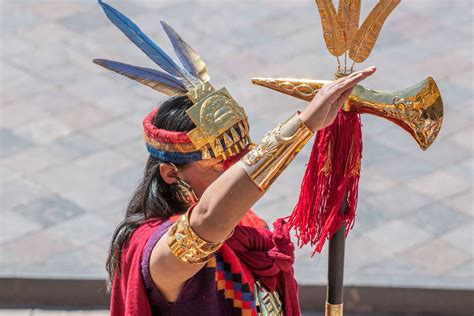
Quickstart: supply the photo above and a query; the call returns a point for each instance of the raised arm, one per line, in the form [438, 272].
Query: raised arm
[230, 196]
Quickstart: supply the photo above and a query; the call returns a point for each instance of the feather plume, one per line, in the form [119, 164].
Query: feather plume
[349, 14]
[186, 54]
[366, 36]
[133, 32]
[332, 29]
[154, 79]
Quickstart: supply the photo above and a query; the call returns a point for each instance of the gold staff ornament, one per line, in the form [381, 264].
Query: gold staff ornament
[417, 109]
[328, 197]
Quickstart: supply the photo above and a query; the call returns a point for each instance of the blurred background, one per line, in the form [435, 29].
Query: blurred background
[72, 149]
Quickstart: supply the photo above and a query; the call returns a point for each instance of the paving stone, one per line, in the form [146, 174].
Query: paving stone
[437, 218]
[75, 145]
[91, 18]
[71, 262]
[374, 251]
[35, 247]
[19, 191]
[33, 159]
[20, 112]
[463, 202]
[97, 86]
[8, 174]
[464, 138]
[456, 122]
[99, 194]
[391, 266]
[43, 58]
[49, 210]
[398, 201]
[14, 225]
[83, 117]
[134, 150]
[81, 229]
[94, 192]
[17, 18]
[13, 75]
[46, 33]
[127, 179]
[43, 131]
[12, 143]
[465, 270]
[115, 132]
[377, 152]
[54, 9]
[462, 237]
[121, 103]
[436, 256]
[442, 154]
[438, 184]
[15, 86]
[454, 94]
[373, 181]
[401, 169]
[103, 163]
[368, 218]
[114, 212]
[49, 103]
[398, 236]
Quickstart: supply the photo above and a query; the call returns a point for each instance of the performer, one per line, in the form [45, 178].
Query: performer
[188, 243]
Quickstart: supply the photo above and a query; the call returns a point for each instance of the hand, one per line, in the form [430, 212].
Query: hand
[322, 110]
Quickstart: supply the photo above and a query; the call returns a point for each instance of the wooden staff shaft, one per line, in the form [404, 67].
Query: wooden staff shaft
[335, 286]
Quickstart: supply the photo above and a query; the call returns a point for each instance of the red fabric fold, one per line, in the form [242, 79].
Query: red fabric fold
[268, 256]
[129, 296]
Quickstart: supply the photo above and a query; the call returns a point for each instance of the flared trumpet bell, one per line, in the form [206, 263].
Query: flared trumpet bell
[417, 109]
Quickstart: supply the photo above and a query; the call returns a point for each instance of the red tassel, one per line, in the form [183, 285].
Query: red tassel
[333, 168]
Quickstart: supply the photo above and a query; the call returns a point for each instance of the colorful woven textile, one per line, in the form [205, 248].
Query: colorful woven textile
[168, 146]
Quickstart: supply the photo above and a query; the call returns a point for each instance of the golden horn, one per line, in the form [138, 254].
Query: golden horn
[417, 109]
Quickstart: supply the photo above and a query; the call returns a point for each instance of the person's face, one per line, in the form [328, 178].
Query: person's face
[200, 174]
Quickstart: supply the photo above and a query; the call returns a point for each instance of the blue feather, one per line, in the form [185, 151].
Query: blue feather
[152, 78]
[133, 32]
[186, 54]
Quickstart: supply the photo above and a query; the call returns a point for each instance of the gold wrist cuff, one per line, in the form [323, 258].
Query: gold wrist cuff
[186, 245]
[278, 148]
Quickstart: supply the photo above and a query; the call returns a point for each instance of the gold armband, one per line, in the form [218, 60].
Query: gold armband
[186, 245]
[278, 148]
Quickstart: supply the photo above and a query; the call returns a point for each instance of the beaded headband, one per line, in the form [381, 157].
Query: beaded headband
[222, 129]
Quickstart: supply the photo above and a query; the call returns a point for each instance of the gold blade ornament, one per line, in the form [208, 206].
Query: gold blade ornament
[417, 109]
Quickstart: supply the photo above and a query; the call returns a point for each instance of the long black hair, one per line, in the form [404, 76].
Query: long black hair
[153, 197]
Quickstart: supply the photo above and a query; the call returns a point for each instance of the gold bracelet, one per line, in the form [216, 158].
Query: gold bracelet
[278, 148]
[186, 245]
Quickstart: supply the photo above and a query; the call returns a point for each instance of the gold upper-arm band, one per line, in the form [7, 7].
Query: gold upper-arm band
[187, 246]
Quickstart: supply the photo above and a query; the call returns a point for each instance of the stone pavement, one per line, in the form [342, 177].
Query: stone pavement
[72, 150]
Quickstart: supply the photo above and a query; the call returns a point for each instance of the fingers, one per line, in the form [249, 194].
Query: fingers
[344, 96]
[340, 101]
[352, 81]
[357, 75]
[339, 86]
